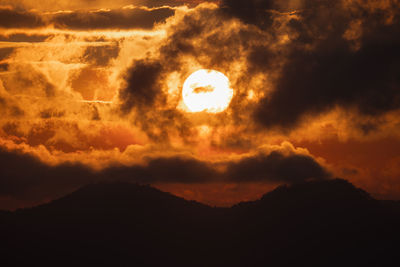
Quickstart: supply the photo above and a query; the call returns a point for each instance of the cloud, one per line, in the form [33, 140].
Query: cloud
[101, 55]
[318, 55]
[276, 167]
[122, 18]
[262, 64]
[92, 82]
[252, 11]
[323, 69]
[6, 52]
[128, 18]
[24, 37]
[142, 86]
[19, 19]
[23, 176]
[57, 5]
[28, 79]
[165, 170]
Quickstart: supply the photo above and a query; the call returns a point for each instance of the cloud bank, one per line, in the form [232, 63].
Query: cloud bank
[25, 177]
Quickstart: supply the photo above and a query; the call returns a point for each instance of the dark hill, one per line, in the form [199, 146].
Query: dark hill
[124, 199]
[325, 223]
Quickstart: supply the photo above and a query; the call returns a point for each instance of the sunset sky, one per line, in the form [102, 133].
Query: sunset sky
[91, 91]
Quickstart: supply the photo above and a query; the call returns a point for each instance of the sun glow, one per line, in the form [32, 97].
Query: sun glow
[207, 90]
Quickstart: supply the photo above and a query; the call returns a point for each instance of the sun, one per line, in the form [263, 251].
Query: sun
[207, 90]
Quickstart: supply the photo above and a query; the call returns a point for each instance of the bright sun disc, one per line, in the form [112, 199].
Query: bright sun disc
[207, 90]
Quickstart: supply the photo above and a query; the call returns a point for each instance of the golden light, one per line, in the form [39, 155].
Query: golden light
[207, 90]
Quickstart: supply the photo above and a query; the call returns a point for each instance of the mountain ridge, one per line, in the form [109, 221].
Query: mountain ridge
[279, 191]
[121, 224]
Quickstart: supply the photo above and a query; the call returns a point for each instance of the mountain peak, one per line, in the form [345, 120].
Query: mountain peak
[335, 189]
[323, 193]
[118, 196]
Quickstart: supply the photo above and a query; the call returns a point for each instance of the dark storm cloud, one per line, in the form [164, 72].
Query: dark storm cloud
[114, 19]
[314, 83]
[323, 66]
[6, 52]
[142, 86]
[4, 67]
[22, 37]
[23, 176]
[276, 167]
[19, 19]
[203, 35]
[334, 72]
[166, 170]
[129, 18]
[253, 11]
[101, 55]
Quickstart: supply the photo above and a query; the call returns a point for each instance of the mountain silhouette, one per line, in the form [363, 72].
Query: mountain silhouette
[320, 223]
